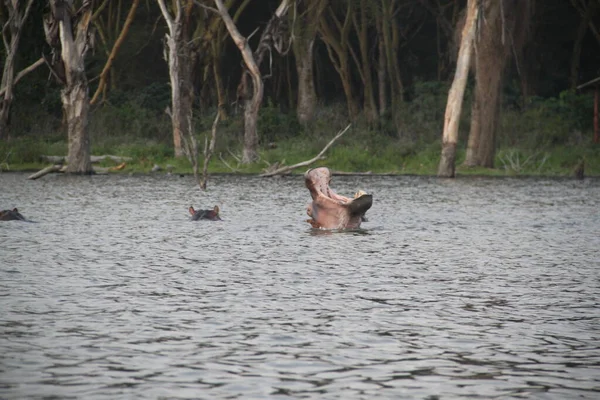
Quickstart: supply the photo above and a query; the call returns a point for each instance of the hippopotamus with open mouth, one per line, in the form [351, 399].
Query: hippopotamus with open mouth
[328, 209]
[212, 215]
[11, 215]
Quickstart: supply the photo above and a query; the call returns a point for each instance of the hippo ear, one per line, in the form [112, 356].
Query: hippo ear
[191, 210]
[359, 193]
[15, 209]
[216, 210]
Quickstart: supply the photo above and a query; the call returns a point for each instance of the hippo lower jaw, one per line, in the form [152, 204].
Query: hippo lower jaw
[330, 210]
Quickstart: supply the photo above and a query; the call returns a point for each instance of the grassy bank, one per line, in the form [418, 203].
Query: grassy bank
[547, 138]
[378, 155]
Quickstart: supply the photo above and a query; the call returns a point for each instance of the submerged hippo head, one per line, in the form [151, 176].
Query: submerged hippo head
[212, 215]
[11, 215]
[328, 209]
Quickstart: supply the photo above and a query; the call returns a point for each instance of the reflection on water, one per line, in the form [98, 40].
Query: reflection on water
[474, 287]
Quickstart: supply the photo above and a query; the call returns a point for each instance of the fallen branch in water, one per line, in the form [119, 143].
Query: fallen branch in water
[47, 170]
[93, 159]
[63, 168]
[307, 162]
[227, 164]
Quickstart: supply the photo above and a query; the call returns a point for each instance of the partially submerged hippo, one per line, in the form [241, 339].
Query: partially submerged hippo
[212, 215]
[11, 215]
[328, 209]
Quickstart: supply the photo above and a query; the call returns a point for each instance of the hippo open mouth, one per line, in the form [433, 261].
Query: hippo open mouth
[330, 210]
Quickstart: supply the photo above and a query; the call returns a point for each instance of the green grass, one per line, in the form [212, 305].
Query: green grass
[549, 138]
[348, 154]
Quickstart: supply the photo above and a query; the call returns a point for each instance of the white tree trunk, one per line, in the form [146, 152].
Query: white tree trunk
[455, 96]
[179, 59]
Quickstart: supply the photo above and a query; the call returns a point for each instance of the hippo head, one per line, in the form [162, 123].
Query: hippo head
[11, 215]
[212, 215]
[328, 209]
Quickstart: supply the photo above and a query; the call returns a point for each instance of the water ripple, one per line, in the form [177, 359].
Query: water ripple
[481, 288]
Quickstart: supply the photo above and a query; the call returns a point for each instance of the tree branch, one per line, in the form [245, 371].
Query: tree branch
[307, 162]
[115, 49]
[24, 72]
[168, 17]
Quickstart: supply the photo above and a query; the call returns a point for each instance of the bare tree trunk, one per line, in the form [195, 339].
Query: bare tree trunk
[251, 109]
[221, 93]
[305, 25]
[455, 96]
[181, 58]
[251, 106]
[381, 69]
[181, 94]
[488, 95]
[307, 96]
[502, 34]
[370, 108]
[75, 99]
[390, 38]
[473, 143]
[11, 30]
[73, 43]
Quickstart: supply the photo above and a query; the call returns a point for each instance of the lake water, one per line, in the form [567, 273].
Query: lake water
[468, 288]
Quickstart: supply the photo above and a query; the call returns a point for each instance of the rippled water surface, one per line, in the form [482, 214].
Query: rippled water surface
[478, 288]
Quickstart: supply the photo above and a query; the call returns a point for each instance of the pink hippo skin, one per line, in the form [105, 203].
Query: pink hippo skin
[328, 209]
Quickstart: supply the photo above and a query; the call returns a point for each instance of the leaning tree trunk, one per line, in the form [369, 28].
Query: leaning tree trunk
[252, 105]
[11, 30]
[271, 37]
[73, 43]
[455, 96]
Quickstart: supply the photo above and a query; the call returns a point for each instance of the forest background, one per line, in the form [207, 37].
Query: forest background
[385, 66]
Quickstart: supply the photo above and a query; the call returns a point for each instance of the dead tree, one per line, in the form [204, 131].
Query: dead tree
[251, 78]
[68, 33]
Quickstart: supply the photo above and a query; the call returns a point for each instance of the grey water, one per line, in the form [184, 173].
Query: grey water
[469, 288]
